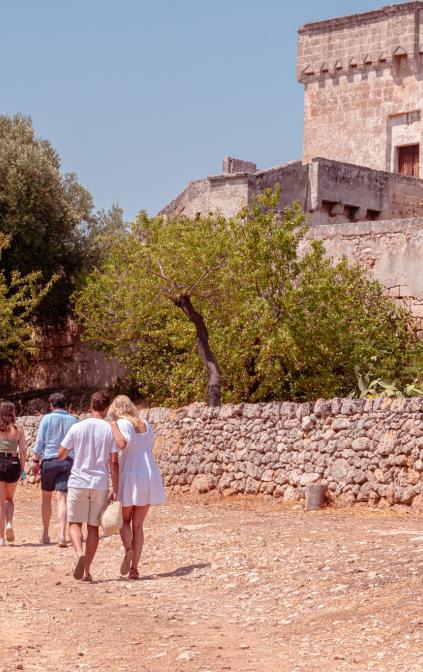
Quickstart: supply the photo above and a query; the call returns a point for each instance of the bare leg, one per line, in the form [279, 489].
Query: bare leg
[2, 508]
[10, 507]
[75, 535]
[61, 513]
[46, 511]
[125, 530]
[90, 547]
[138, 517]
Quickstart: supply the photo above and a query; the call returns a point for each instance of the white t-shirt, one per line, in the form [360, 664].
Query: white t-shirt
[92, 440]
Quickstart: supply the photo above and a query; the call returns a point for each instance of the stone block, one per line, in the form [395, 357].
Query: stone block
[339, 424]
[339, 470]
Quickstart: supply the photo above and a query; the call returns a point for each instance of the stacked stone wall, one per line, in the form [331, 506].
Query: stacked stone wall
[367, 451]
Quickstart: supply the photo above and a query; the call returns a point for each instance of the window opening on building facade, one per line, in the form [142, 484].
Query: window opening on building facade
[409, 160]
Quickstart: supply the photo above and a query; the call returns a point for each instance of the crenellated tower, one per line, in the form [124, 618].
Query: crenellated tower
[363, 88]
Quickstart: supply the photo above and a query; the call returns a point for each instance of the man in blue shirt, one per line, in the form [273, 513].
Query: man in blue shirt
[54, 473]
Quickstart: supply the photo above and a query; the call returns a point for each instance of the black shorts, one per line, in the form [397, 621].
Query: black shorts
[10, 470]
[55, 474]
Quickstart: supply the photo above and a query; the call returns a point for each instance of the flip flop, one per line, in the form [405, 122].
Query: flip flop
[78, 568]
[126, 562]
[63, 543]
[87, 577]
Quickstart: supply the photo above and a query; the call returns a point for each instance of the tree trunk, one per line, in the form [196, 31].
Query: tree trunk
[203, 348]
[314, 496]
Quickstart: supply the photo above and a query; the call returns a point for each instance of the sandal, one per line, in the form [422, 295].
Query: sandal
[63, 543]
[87, 577]
[78, 568]
[126, 562]
[45, 539]
[134, 574]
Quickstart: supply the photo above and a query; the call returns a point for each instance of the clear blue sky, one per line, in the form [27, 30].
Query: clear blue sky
[141, 96]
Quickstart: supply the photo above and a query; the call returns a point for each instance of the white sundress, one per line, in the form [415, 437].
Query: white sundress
[140, 482]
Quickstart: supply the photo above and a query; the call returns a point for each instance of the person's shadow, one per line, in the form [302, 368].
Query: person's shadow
[179, 571]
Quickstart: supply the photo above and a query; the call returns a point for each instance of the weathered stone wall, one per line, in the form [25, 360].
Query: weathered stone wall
[365, 450]
[329, 192]
[341, 192]
[391, 250]
[229, 192]
[363, 85]
[65, 362]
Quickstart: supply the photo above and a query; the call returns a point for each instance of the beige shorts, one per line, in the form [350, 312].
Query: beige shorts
[85, 505]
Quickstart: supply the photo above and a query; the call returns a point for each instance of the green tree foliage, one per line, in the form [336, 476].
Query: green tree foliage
[19, 298]
[283, 321]
[153, 287]
[304, 321]
[48, 214]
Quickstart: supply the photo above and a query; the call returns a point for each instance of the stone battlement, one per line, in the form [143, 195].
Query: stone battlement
[390, 36]
[330, 192]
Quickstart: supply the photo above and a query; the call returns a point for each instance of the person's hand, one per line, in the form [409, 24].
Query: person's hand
[113, 496]
[35, 468]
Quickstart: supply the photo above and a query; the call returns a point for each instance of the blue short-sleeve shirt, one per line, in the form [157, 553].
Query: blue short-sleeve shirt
[52, 430]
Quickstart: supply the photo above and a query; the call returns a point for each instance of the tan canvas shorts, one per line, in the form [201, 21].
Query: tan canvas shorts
[85, 505]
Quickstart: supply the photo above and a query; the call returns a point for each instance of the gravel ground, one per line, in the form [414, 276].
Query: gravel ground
[241, 585]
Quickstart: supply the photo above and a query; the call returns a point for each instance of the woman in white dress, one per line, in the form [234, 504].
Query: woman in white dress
[140, 483]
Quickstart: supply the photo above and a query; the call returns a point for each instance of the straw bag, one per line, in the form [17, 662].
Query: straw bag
[111, 519]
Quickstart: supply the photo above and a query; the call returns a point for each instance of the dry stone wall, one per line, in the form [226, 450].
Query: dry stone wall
[367, 451]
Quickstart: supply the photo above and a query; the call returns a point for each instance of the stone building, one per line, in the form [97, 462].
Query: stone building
[363, 88]
[359, 180]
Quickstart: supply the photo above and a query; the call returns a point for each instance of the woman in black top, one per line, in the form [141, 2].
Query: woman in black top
[12, 463]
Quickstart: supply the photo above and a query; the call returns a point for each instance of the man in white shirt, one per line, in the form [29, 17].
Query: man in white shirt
[88, 487]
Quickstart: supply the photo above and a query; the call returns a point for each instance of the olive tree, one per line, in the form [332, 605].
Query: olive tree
[19, 298]
[48, 214]
[155, 268]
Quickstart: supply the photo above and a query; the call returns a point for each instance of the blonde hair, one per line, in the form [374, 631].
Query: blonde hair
[122, 407]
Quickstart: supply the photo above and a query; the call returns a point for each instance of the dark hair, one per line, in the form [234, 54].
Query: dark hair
[7, 415]
[57, 400]
[100, 401]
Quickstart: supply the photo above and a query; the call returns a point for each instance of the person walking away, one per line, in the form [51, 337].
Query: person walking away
[54, 472]
[140, 483]
[12, 464]
[88, 488]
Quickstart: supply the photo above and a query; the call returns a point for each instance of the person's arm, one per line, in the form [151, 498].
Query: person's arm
[22, 449]
[114, 473]
[38, 449]
[120, 440]
[62, 453]
[67, 445]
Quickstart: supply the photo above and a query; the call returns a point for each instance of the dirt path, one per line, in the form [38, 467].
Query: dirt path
[241, 586]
